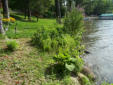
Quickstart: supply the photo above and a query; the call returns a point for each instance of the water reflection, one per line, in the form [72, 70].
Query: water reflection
[98, 39]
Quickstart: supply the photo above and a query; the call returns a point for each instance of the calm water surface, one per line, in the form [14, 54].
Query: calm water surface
[99, 42]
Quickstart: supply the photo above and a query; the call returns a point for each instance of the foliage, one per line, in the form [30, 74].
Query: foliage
[52, 39]
[106, 83]
[93, 7]
[64, 42]
[44, 38]
[66, 81]
[97, 7]
[37, 7]
[85, 81]
[12, 45]
[68, 62]
[2, 36]
[73, 22]
[11, 19]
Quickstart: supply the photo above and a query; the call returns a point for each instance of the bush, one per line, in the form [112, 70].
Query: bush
[61, 37]
[12, 45]
[44, 39]
[2, 36]
[73, 22]
[52, 39]
[85, 81]
[106, 83]
[66, 41]
[69, 63]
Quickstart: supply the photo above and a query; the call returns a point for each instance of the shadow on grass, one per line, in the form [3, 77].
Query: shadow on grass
[22, 19]
[5, 51]
[56, 70]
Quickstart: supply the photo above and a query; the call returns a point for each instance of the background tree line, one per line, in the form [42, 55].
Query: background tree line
[56, 8]
[47, 8]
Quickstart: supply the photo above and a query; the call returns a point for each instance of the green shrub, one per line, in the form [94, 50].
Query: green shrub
[106, 83]
[2, 36]
[61, 37]
[51, 39]
[85, 81]
[12, 45]
[73, 22]
[69, 63]
[66, 41]
[44, 39]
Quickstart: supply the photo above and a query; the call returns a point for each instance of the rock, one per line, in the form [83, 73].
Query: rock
[86, 52]
[75, 80]
[87, 71]
[84, 80]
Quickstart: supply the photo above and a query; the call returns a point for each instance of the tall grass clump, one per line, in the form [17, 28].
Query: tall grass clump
[2, 36]
[12, 45]
[46, 39]
[105, 83]
[73, 22]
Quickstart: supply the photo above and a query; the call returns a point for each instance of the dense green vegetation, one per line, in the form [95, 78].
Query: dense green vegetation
[97, 7]
[55, 57]
[47, 8]
[65, 42]
[37, 50]
[12, 45]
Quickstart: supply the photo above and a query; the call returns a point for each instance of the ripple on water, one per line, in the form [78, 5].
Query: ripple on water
[100, 43]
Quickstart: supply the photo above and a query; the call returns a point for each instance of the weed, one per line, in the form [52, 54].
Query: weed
[12, 45]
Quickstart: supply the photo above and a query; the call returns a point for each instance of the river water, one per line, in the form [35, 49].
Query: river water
[98, 39]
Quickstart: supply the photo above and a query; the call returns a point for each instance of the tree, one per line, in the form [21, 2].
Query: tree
[1, 26]
[31, 7]
[5, 8]
[58, 11]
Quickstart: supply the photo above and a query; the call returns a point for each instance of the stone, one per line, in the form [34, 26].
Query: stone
[87, 71]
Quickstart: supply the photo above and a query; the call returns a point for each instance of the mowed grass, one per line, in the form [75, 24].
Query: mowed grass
[25, 28]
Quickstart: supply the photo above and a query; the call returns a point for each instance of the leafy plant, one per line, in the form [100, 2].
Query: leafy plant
[105, 83]
[68, 62]
[52, 39]
[73, 22]
[85, 81]
[12, 45]
[43, 39]
[2, 36]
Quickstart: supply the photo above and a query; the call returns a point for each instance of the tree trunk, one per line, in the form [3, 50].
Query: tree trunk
[69, 5]
[5, 8]
[29, 10]
[58, 11]
[1, 27]
[29, 13]
[25, 13]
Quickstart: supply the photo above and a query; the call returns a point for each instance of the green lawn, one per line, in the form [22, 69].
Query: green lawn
[26, 28]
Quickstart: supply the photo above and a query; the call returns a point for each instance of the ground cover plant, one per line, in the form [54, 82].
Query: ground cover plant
[12, 45]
